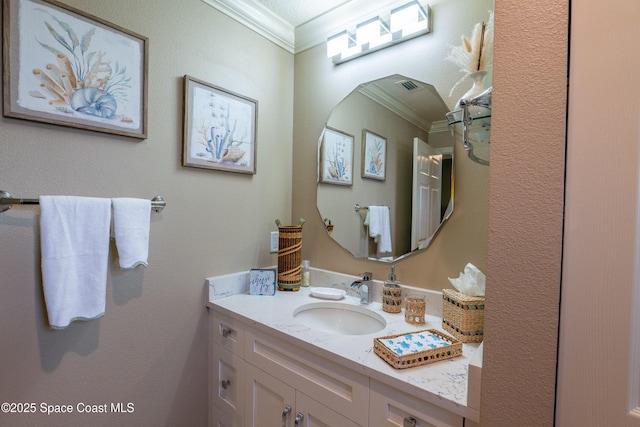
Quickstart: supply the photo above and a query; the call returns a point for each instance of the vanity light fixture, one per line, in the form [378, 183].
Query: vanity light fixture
[402, 23]
[409, 18]
[372, 33]
[339, 43]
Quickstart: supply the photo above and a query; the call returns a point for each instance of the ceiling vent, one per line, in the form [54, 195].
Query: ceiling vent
[409, 85]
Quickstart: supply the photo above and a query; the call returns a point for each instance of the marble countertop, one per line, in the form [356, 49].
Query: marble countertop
[442, 383]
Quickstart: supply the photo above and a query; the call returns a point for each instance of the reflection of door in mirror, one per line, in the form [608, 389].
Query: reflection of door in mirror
[429, 193]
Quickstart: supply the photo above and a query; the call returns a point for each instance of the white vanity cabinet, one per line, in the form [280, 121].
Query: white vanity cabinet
[263, 378]
[259, 380]
[391, 407]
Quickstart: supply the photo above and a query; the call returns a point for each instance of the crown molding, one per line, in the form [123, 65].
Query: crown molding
[256, 17]
[439, 126]
[393, 105]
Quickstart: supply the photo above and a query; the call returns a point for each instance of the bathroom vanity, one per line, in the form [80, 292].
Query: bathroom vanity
[269, 369]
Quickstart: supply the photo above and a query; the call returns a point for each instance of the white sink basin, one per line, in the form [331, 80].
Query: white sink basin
[339, 318]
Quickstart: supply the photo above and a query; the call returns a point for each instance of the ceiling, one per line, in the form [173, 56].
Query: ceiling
[297, 25]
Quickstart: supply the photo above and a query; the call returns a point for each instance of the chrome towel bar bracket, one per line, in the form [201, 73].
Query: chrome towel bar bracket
[7, 200]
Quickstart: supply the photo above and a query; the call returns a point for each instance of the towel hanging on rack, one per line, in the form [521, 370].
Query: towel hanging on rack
[379, 227]
[74, 235]
[131, 219]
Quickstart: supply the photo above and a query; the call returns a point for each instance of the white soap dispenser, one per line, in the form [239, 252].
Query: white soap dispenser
[391, 294]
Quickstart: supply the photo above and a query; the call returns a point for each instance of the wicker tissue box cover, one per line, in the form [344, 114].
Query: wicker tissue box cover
[463, 315]
[416, 348]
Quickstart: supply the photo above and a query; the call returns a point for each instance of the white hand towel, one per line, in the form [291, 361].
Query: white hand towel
[131, 219]
[380, 227]
[74, 234]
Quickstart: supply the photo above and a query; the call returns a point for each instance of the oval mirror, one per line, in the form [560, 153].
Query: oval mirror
[385, 169]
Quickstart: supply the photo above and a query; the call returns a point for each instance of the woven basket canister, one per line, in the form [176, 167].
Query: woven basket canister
[463, 315]
[289, 257]
[414, 310]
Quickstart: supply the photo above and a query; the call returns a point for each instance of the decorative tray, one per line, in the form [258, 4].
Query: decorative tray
[416, 348]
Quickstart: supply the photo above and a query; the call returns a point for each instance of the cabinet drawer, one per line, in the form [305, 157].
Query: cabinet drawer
[217, 418]
[227, 382]
[391, 407]
[226, 332]
[332, 385]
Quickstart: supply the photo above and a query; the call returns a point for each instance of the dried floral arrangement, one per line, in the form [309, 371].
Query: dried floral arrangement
[475, 53]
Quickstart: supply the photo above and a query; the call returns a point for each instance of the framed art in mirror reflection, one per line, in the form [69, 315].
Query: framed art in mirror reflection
[336, 157]
[374, 155]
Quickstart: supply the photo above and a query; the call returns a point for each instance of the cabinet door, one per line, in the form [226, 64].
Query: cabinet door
[269, 401]
[311, 413]
[227, 382]
[341, 389]
[392, 408]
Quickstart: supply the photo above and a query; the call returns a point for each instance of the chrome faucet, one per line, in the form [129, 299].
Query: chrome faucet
[365, 288]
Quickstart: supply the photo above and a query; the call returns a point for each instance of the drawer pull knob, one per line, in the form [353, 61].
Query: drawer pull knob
[299, 419]
[285, 412]
[409, 422]
[226, 332]
[225, 384]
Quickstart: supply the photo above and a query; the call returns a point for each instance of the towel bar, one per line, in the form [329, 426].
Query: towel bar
[6, 200]
[359, 208]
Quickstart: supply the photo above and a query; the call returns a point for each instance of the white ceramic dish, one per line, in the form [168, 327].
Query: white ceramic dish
[327, 293]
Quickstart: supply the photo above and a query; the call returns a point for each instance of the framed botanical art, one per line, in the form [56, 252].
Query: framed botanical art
[374, 155]
[219, 128]
[65, 67]
[336, 157]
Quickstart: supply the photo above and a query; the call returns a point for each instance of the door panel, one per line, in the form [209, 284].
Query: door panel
[599, 351]
[427, 187]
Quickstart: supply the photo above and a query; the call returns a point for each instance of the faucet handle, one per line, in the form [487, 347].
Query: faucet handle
[367, 276]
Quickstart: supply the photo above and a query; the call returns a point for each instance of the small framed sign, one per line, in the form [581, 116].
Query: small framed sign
[262, 281]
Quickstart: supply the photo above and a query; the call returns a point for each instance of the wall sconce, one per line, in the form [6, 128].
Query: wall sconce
[402, 23]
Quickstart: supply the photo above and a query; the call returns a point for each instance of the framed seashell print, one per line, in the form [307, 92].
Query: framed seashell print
[65, 67]
[336, 157]
[219, 128]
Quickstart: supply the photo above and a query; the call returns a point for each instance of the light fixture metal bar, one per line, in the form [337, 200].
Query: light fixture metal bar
[358, 46]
